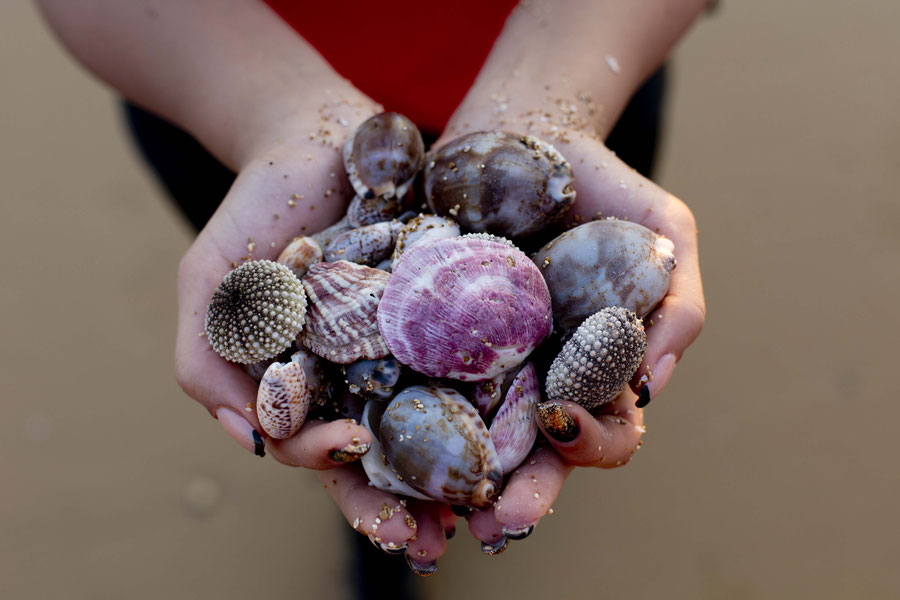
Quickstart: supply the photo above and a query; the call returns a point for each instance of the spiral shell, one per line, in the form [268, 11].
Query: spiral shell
[441, 447]
[423, 227]
[497, 182]
[282, 399]
[302, 253]
[383, 156]
[367, 245]
[514, 427]
[605, 263]
[256, 312]
[341, 324]
[368, 211]
[466, 309]
[599, 360]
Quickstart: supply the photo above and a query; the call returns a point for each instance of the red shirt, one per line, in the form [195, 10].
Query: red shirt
[417, 58]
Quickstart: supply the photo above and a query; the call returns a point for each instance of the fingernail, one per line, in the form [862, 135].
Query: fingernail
[390, 547]
[460, 511]
[643, 396]
[450, 533]
[662, 372]
[241, 431]
[422, 569]
[557, 422]
[495, 548]
[349, 453]
[518, 534]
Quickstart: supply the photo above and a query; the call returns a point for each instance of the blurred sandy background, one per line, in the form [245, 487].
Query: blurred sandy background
[770, 466]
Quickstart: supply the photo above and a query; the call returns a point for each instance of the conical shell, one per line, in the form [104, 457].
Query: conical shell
[383, 156]
[466, 309]
[514, 428]
[282, 399]
[367, 245]
[341, 324]
[368, 211]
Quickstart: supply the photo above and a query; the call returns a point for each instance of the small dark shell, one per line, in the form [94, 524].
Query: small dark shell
[368, 211]
[374, 378]
[383, 156]
[497, 182]
[367, 245]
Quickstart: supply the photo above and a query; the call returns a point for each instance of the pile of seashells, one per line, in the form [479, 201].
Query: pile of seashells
[420, 325]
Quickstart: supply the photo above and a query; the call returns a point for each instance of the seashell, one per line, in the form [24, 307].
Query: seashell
[341, 324]
[256, 312]
[466, 309]
[605, 263]
[324, 237]
[302, 253]
[491, 237]
[366, 245]
[316, 379]
[487, 394]
[599, 360]
[423, 227]
[497, 182]
[434, 438]
[380, 472]
[368, 211]
[282, 399]
[383, 156]
[373, 378]
[514, 428]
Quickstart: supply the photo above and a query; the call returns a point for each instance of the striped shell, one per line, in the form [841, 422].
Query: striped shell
[302, 253]
[514, 428]
[383, 156]
[440, 446]
[282, 399]
[368, 211]
[466, 309]
[343, 299]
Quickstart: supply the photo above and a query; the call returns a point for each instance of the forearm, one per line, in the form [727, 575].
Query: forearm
[573, 64]
[230, 72]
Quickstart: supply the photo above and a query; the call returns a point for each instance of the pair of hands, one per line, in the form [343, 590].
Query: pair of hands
[294, 184]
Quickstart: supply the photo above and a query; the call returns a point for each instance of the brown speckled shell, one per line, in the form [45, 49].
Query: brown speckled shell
[302, 253]
[282, 399]
[367, 245]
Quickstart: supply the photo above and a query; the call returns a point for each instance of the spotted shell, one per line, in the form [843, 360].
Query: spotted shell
[324, 237]
[514, 427]
[256, 312]
[383, 156]
[368, 211]
[341, 324]
[466, 309]
[599, 359]
[379, 470]
[423, 227]
[367, 245]
[440, 446]
[282, 399]
[302, 253]
[497, 182]
[605, 263]
[314, 369]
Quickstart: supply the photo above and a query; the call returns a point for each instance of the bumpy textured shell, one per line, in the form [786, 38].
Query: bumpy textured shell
[514, 428]
[341, 324]
[368, 211]
[599, 360]
[374, 378]
[383, 156]
[496, 182]
[282, 399]
[605, 263]
[439, 444]
[378, 469]
[423, 227]
[466, 309]
[367, 245]
[302, 253]
[256, 312]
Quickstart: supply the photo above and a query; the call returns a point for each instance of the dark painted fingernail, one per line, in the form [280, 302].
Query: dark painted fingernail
[495, 548]
[349, 453]
[557, 422]
[391, 548]
[450, 533]
[421, 569]
[643, 396]
[460, 511]
[259, 446]
[518, 534]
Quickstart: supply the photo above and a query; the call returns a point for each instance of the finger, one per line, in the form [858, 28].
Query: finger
[322, 445]
[485, 528]
[530, 492]
[608, 440]
[376, 514]
[431, 540]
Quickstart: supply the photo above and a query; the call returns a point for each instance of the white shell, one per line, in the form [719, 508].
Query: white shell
[282, 399]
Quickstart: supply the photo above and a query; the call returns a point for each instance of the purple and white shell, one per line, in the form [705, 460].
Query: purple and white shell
[514, 427]
[465, 309]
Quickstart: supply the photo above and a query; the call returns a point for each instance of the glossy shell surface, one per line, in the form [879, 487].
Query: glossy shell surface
[367, 245]
[383, 156]
[368, 211]
[605, 263]
[438, 443]
[464, 309]
[514, 428]
[282, 399]
[423, 227]
[374, 378]
[496, 182]
[302, 253]
[378, 469]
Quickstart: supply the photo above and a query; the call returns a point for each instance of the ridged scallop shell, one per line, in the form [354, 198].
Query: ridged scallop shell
[605, 263]
[466, 309]
[383, 156]
[368, 211]
[282, 399]
[514, 427]
[374, 378]
[343, 300]
[256, 312]
[599, 359]
[367, 245]
[378, 469]
[302, 253]
[423, 227]
[488, 394]
[434, 438]
[497, 182]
